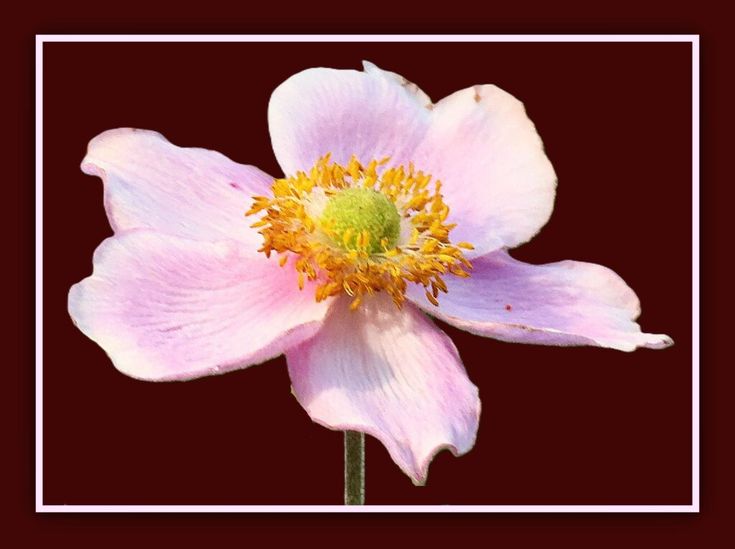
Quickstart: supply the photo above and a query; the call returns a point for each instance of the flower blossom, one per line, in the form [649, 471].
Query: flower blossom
[390, 207]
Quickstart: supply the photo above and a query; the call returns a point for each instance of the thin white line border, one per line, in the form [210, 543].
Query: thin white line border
[693, 39]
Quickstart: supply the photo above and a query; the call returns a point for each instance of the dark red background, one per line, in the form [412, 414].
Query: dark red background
[706, 529]
[559, 425]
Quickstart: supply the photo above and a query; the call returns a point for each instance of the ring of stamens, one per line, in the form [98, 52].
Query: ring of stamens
[293, 223]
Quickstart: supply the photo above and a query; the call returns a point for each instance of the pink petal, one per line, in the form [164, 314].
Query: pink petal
[167, 308]
[418, 94]
[391, 374]
[498, 183]
[564, 303]
[343, 112]
[189, 192]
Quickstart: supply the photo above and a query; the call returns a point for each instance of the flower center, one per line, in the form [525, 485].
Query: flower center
[360, 229]
[362, 218]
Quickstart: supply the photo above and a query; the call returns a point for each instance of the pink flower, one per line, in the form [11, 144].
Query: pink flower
[350, 249]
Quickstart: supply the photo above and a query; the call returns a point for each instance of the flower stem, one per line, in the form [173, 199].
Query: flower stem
[354, 468]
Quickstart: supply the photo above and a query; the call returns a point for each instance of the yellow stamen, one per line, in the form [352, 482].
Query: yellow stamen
[432, 298]
[360, 262]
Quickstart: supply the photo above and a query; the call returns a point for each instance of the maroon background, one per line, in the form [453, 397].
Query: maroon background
[559, 425]
[706, 529]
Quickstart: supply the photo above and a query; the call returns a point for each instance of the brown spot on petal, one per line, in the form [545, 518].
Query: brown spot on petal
[508, 307]
[478, 97]
[414, 89]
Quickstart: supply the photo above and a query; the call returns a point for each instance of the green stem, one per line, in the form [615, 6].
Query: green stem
[354, 468]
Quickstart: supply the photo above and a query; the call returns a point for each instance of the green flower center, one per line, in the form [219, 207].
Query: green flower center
[362, 219]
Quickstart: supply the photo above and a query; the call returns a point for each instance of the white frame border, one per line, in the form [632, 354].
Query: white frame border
[693, 508]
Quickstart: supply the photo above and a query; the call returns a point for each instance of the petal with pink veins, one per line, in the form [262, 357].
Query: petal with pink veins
[389, 373]
[479, 142]
[166, 308]
[189, 192]
[564, 303]
[497, 181]
[345, 113]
